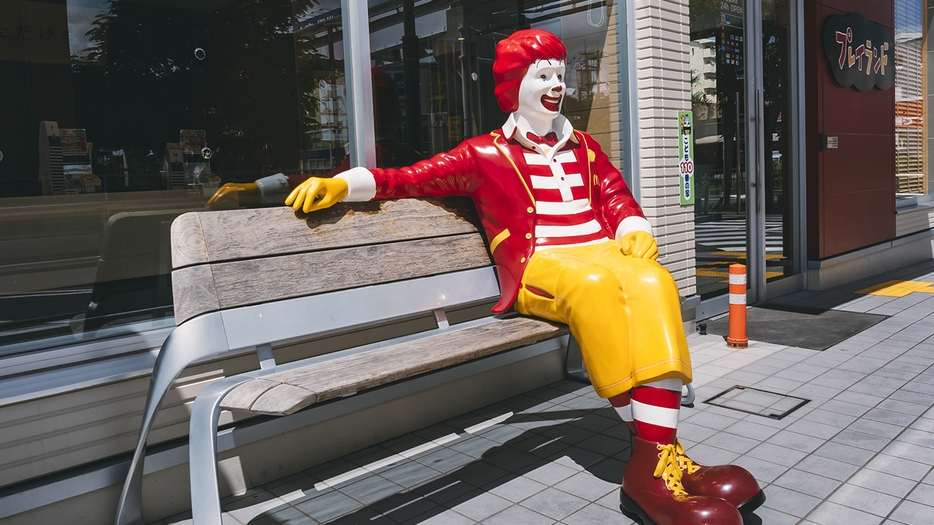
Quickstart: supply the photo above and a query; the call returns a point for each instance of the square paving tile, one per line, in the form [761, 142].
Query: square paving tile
[924, 494]
[845, 453]
[883, 483]
[554, 503]
[827, 467]
[516, 489]
[861, 440]
[597, 514]
[864, 499]
[479, 505]
[830, 513]
[550, 473]
[789, 501]
[516, 515]
[897, 466]
[777, 454]
[808, 483]
[796, 441]
[912, 513]
[587, 486]
[763, 471]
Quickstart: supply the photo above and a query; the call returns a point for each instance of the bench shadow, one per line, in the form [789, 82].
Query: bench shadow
[573, 442]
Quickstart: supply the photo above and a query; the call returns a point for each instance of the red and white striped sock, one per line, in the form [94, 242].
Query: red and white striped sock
[623, 407]
[655, 410]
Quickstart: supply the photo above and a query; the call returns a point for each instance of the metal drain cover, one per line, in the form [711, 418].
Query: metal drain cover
[759, 402]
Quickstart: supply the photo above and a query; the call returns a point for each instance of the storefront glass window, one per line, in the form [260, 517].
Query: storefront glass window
[720, 36]
[777, 122]
[120, 115]
[910, 162]
[433, 70]
[718, 69]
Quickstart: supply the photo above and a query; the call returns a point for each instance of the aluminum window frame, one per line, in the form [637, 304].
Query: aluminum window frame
[628, 78]
[358, 82]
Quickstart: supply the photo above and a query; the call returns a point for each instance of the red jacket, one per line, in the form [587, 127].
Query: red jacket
[492, 171]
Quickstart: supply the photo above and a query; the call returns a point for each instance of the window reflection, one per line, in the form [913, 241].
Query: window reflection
[779, 188]
[718, 49]
[440, 54]
[910, 172]
[119, 116]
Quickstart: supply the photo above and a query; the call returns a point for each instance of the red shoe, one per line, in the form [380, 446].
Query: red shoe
[652, 491]
[729, 482]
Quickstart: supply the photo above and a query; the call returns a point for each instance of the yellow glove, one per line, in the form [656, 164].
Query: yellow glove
[639, 244]
[317, 194]
[233, 194]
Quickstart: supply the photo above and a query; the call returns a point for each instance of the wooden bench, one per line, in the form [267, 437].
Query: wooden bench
[258, 279]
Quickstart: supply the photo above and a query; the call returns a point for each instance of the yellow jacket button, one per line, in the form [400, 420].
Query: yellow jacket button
[528, 235]
[532, 210]
[522, 260]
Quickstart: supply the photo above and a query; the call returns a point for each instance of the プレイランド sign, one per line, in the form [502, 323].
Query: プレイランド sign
[860, 53]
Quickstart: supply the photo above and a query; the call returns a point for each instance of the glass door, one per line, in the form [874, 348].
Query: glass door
[718, 99]
[742, 96]
[776, 224]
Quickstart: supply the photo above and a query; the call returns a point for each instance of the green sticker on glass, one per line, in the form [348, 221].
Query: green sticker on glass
[686, 157]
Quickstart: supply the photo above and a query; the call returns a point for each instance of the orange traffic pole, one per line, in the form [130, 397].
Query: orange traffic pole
[737, 337]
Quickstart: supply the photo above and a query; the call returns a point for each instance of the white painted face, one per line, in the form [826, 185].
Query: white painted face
[542, 90]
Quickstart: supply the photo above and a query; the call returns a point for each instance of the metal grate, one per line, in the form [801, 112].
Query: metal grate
[759, 402]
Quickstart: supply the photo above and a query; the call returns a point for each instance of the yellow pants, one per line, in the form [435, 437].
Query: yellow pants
[625, 313]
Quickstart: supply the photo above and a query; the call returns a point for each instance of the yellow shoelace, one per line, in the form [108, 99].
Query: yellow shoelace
[684, 462]
[669, 469]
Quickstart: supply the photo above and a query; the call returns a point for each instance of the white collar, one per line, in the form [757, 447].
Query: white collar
[560, 125]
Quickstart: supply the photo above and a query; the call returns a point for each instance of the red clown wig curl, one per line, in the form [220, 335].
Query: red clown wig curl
[514, 55]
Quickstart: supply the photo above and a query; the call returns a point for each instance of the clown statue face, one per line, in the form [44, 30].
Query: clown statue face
[541, 94]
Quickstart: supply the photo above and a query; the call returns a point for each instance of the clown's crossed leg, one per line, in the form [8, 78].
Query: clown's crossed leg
[572, 245]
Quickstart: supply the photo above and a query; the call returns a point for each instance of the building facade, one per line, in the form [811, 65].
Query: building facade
[120, 115]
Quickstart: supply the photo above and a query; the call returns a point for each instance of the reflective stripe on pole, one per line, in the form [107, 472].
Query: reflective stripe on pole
[737, 337]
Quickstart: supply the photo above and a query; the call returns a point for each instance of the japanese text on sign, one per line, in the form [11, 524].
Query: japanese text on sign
[861, 53]
[686, 157]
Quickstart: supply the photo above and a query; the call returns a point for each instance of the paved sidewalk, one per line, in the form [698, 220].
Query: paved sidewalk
[860, 452]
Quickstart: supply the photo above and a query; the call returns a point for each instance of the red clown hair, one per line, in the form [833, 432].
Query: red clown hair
[514, 55]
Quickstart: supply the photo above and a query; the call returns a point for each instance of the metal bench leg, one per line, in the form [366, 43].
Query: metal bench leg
[202, 451]
[184, 346]
[687, 400]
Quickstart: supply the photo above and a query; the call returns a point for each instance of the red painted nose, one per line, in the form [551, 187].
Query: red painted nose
[557, 89]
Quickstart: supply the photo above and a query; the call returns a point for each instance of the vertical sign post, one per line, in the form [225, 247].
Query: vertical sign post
[686, 157]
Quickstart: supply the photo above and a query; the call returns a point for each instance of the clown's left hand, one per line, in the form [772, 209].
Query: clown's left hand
[639, 244]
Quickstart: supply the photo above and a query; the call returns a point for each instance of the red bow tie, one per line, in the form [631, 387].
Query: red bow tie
[551, 139]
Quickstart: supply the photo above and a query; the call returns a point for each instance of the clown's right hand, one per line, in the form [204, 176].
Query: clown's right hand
[317, 194]
[233, 195]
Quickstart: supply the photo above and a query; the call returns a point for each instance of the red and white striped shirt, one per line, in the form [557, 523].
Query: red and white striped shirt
[564, 216]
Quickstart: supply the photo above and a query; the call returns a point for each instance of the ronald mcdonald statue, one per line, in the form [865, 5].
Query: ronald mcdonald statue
[572, 245]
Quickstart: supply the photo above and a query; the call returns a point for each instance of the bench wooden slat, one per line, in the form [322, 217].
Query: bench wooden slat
[263, 255]
[249, 391]
[303, 386]
[187, 241]
[245, 234]
[193, 292]
[309, 273]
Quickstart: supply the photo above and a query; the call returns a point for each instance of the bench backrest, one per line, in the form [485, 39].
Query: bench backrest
[229, 259]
